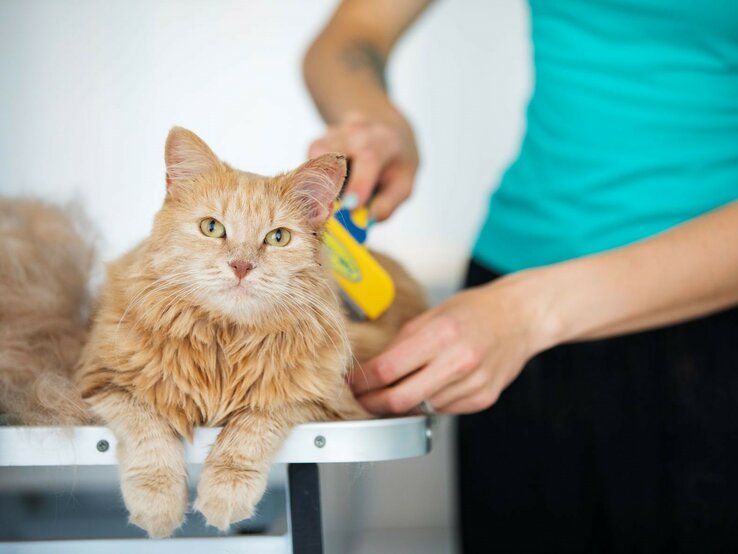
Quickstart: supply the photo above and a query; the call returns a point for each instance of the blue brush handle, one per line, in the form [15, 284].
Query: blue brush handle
[357, 231]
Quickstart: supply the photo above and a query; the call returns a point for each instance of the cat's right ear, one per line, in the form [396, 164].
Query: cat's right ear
[187, 157]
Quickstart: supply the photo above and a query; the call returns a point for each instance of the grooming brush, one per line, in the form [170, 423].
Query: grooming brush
[365, 285]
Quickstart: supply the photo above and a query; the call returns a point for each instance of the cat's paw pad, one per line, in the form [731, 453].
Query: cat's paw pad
[156, 501]
[228, 495]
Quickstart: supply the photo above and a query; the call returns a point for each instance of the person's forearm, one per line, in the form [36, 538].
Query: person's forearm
[686, 272]
[344, 69]
[345, 74]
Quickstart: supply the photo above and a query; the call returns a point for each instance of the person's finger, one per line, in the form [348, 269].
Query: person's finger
[334, 140]
[412, 326]
[366, 168]
[316, 148]
[319, 147]
[458, 390]
[417, 387]
[476, 402]
[348, 138]
[357, 376]
[399, 360]
[391, 193]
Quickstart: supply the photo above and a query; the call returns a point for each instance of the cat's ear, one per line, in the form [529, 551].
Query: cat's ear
[187, 157]
[317, 183]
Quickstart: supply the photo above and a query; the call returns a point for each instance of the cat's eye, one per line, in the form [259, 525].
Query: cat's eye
[211, 227]
[278, 237]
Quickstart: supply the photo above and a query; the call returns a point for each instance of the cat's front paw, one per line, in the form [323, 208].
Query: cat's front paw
[156, 500]
[228, 494]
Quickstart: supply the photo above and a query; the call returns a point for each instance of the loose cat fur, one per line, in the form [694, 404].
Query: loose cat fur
[179, 341]
[44, 270]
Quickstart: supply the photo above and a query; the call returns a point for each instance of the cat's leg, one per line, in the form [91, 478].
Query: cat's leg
[234, 476]
[153, 474]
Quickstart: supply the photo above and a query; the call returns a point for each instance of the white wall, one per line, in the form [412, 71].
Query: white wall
[89, 89]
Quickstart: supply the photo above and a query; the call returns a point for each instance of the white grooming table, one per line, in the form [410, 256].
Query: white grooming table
[305, 447]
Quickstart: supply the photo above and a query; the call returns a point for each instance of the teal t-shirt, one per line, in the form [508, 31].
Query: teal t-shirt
[632, 128]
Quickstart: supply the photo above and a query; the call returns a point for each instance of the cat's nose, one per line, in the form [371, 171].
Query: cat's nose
[241, 268]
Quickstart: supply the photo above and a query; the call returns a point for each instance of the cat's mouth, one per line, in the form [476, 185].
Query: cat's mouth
[239, 289]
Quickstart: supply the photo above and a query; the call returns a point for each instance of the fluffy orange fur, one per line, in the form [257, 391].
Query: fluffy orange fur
[180, 340]
[43, 296]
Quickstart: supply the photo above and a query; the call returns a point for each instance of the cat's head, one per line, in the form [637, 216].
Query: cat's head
[241, 244]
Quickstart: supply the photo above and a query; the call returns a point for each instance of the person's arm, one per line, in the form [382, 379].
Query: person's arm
[686, 272]
[345, 66]
[462, 354]
[345, 72]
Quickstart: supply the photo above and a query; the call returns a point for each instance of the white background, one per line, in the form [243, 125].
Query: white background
[90, 88]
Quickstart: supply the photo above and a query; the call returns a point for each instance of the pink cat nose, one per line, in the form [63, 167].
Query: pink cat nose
[241, 268]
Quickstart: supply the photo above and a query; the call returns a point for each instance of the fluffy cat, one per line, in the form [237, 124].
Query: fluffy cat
[44, 269]
[225, 316]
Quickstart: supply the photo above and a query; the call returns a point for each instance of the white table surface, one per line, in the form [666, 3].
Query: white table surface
[344, 441]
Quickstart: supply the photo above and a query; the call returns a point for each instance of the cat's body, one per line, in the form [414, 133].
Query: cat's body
[196, 367]
[225, 316]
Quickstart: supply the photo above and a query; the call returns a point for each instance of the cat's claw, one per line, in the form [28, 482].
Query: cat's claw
[225, 496]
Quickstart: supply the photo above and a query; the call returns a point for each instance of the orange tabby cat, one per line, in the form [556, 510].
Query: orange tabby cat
[225, 316]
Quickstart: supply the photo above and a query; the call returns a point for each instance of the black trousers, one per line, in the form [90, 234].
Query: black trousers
[627, 444]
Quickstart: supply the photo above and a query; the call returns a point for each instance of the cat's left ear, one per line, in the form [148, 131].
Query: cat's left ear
[188, 157]
[317, 183]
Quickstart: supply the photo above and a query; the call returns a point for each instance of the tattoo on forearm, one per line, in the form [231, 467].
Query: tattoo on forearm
[362, 55]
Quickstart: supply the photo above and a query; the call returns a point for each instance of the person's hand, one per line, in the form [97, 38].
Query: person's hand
[383, 155]
[462, 354]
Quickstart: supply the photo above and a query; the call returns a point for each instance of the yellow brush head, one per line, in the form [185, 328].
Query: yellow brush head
[366, 285]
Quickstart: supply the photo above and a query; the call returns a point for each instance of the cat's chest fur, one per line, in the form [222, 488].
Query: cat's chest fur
[195, 369]
[214, 372]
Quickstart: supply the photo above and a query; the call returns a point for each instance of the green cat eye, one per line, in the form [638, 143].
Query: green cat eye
[278, 237]
[212, 228]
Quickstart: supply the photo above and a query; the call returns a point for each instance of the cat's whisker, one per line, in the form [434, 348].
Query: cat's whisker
[159, 284]
[180, 293]
[344, 334]
[133, 301]
[324, 309]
